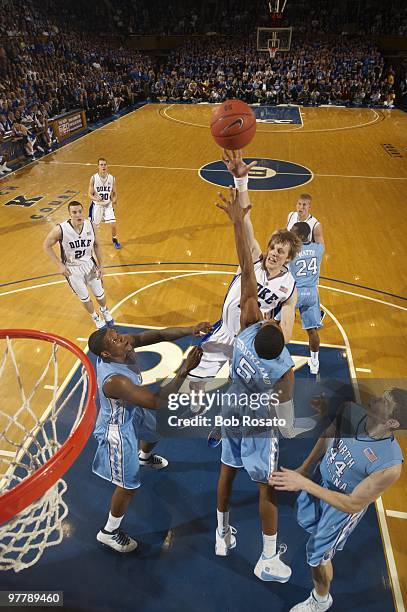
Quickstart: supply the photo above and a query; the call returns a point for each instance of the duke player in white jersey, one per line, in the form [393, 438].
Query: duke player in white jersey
[79, 243]
[357, 458]
[126, 428]
[303, 213]
[261, 367]
[103, 195]
[276, 285]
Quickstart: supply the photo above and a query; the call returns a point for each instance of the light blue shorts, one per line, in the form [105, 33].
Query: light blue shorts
[257, 454]
[329, 527]
[309, 307]
[116, 458]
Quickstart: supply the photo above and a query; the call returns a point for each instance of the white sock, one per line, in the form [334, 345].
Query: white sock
[269, 545]
[144, 455]
[320, 598]
[285, 411]
[314, 355]
[104, 309]
[113, 522]
[94, 315]
[223, 522]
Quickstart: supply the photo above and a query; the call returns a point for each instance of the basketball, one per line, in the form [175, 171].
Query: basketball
[233, 124]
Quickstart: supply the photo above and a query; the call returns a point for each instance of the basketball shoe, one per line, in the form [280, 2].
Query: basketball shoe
[154, 461]
[117, 539]
[312, 605]
[225, 543]
[272, 568]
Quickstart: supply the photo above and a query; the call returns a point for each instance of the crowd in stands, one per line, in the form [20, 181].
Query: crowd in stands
[350, 73]
[48, 65]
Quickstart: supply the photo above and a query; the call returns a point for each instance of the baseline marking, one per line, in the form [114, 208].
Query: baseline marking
[375, 119]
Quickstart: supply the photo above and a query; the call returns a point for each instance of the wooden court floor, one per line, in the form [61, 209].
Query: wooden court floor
[172, 269]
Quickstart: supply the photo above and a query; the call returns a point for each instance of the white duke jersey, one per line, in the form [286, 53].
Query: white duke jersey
[271, 295]
[310, 220]
[103, 187]
[77, 249]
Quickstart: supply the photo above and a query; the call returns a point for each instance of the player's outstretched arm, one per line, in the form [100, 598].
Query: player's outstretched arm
[122, 388]
[170, 333]
[288, 316]
[240, 171]
[366, 492]
[249, 309]
[54, 236]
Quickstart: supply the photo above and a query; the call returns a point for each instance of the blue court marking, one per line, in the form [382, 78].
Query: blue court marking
[268, 175]
[280, 115]
[174, 518]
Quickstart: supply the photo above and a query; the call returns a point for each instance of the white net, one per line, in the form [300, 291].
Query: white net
[33, 426]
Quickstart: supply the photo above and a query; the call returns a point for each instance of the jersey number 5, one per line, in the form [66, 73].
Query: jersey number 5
[245, 370]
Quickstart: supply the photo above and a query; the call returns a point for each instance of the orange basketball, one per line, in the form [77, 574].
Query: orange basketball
[233, 124]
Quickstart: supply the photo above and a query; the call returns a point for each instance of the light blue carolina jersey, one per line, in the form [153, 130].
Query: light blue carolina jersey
[114, 411]
[249, 370]
[354, 456]
[306, 266]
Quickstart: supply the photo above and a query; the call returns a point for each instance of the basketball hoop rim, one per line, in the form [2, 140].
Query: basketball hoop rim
[34, 486]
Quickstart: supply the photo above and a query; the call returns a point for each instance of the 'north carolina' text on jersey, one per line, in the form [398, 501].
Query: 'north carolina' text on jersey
[76, 248]
[306, 266]
[271, 293]
[353, 455]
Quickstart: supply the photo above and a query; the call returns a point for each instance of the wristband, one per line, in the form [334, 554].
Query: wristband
[241, 183]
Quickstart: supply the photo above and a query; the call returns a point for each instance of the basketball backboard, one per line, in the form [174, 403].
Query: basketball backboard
[278, 38]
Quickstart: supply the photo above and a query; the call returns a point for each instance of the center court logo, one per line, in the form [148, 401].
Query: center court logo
[268, 175]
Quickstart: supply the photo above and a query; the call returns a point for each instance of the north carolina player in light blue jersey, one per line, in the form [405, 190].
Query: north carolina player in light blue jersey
[359, 459]
[262, 366]
[126, 417]
[306, 268]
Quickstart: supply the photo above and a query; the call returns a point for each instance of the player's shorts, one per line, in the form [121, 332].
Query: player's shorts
[84, 276]
[116, 458]
[309, 307]
[99, 213]
[257, 454]
[217, 350]
[329, 527]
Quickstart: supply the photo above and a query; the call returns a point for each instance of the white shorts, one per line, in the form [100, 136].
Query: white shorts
[99, 213]
[217, 350]
[84, 276]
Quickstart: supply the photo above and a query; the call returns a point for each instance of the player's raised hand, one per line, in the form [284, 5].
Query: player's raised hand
[202, 328]
[235, 164]
[232, 207]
